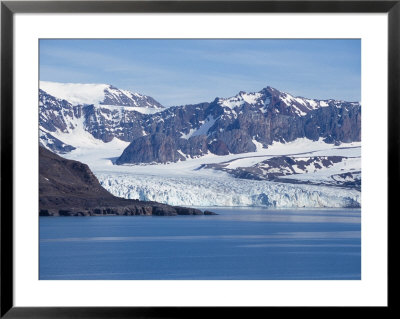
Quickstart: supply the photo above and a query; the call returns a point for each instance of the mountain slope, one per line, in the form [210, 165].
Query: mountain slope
[69, 188]
[73, 125]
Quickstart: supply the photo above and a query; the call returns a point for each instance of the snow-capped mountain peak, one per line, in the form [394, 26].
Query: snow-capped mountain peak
[97, 94]
[240, 99]
[280, 101]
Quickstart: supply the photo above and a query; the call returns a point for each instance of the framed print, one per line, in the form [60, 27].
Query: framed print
[165, 157]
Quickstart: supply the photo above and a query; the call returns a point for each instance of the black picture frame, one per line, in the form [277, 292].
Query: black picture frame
[9, 8]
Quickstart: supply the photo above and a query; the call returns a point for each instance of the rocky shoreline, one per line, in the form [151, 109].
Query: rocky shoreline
[140, 209]
[130, 208]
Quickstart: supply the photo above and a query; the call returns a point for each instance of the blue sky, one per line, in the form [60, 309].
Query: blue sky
[177, 72]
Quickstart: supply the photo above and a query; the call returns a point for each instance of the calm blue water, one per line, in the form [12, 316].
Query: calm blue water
[239, 244]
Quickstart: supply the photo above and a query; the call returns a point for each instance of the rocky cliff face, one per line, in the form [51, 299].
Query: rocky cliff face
[69, 188]
[238, 124]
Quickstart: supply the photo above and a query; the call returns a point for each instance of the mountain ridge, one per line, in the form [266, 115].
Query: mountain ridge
[237, 124]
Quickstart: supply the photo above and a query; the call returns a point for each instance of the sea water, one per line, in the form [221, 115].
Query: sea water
[237, 244]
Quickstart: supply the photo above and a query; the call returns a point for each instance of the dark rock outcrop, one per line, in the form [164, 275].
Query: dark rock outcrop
[105, 124]
[56, 145]
[69, 188]
[284, 168]
[154, 148]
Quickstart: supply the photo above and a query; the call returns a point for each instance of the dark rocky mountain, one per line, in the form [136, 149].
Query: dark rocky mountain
[233, 125]
[238, 124]
[69, 188]
[285, 168]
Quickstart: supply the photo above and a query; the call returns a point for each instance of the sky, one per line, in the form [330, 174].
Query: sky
[177, 72]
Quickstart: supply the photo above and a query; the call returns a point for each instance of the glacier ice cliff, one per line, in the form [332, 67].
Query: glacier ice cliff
[203, 191]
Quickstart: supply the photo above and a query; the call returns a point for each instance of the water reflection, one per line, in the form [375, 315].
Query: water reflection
[291, 235]
[285, 215]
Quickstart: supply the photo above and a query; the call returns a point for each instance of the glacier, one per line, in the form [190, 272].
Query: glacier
[185, 184]
[203, 191]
